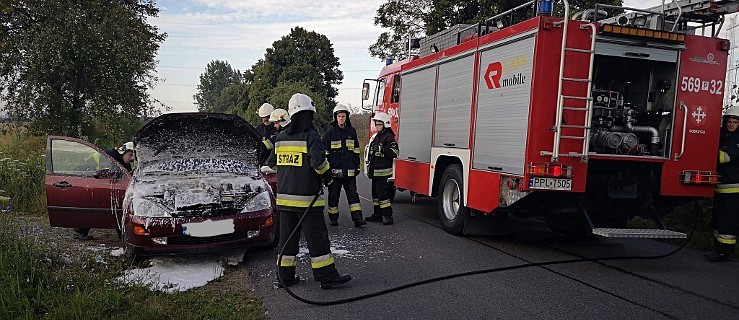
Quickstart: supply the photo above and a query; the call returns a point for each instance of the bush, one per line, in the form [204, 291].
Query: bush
[22, 169]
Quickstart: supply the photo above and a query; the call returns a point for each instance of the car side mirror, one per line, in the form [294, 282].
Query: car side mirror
[365, 91]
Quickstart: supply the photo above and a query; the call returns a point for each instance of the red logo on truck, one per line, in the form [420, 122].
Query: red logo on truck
[493, 75]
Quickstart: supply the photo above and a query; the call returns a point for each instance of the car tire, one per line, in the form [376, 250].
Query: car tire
[449, 200]
[129, 252]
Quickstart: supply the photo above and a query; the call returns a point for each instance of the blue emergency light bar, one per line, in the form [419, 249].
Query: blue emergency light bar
[544, 8]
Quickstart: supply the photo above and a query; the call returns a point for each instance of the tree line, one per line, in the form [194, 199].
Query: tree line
[83, 68]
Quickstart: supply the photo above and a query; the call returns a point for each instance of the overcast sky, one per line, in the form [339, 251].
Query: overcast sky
[239, 31]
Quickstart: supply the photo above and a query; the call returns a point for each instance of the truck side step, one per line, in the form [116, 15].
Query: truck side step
[638, 233]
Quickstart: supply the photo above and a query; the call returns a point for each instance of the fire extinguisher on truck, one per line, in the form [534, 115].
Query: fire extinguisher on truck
[586, 122]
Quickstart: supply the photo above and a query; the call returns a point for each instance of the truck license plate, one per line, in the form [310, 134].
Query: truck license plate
[550, 184]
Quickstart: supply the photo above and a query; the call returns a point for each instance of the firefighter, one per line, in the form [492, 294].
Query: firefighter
[301, 165]
[725, 219]
[382, 150]
[280, 118]
[266, 130]
[342, 147]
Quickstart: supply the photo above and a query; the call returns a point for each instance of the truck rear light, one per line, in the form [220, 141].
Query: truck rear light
[550, 169]
[699, 177]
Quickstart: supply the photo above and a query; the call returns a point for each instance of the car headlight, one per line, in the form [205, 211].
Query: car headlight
[259, 202]
[148, 208]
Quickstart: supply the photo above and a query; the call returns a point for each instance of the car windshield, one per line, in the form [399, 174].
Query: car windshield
[197, 166]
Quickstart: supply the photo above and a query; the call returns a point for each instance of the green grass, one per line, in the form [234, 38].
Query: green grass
[22, 169]
[40, 283]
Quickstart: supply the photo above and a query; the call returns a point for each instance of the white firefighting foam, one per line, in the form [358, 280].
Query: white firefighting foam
[181, 273]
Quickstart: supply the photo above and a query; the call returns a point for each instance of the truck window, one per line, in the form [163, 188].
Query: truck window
[396, 89]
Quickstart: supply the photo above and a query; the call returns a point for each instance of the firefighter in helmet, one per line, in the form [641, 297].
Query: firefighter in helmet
[280, 118]
[725, 220]
[266, 130]
[300, 161]
[382, 150]
[342, 147]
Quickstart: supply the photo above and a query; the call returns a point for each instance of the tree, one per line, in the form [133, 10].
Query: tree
[405, 19]
[418, 18]
[234, 99]
[302, 61]
[72, 67]
[218, 76]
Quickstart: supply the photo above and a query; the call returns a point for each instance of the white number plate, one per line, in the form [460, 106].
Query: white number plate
[550, 184]
[208, 228]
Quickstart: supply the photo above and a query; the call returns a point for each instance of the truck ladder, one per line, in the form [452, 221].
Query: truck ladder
[561, 99]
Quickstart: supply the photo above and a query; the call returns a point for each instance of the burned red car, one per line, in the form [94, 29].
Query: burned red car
[196, 187]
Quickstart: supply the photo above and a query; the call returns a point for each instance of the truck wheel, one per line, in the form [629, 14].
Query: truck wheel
[449, 202]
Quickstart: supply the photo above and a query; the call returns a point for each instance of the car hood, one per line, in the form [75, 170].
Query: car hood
[197, 140]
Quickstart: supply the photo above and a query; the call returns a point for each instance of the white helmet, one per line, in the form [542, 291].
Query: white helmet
[341, 108]
[300, 102]
[732, 112]
[280, 116]
[384, 117]
[128, 146]
[265, 110]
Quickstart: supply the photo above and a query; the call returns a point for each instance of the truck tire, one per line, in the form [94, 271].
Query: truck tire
[449, 202]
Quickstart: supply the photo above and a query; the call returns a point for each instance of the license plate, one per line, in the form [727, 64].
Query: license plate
[208, 228]
[550, 184]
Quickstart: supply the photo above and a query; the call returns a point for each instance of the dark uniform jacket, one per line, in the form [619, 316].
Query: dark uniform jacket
[119, 157]
[342, 147]
[300, 160]
[268, 133]
[728, 166]
[383, 149]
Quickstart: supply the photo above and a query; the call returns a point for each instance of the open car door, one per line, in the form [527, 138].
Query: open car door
[84, 185]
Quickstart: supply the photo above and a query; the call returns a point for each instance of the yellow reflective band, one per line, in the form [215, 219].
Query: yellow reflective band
[323, 167]
[350, 173]
[322, 261]
[287, 261]
[268, 144]
[375, 203]
[289, 159]
[723, 157]
[726, 241]
[335, 144]
[356, 150]
[723, 238]
[727, 188]
[332, 210]
[355, 207]
[350, 144]
[299, 201]
[384, 204]
[382, 173]
[292, 149]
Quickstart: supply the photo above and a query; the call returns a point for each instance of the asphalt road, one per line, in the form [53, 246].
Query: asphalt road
[682, 286]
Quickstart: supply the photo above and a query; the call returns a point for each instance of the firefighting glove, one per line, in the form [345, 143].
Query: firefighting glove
[328, 178]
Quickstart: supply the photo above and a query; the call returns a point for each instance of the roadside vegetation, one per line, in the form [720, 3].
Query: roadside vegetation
[43, 280]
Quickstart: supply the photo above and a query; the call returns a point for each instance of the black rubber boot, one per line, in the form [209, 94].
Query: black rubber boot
[333, 219]
[716, 257]
[288, 282]
[387, 220]
[374, 218]
[359, 223]
[338, 280]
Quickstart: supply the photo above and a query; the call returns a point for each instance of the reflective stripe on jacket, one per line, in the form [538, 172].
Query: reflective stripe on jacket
[342, 148]
[300, 160]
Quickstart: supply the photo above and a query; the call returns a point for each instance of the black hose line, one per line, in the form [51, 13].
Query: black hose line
[457, 275]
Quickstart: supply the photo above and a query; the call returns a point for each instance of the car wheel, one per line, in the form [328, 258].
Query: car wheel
[449, 202]
[129, 252]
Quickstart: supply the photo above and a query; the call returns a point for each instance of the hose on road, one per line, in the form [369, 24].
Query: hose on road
[456, 275]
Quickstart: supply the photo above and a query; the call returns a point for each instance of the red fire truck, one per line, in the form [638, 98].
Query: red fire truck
[586, 122]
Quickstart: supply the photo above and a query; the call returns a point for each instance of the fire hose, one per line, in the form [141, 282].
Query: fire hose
[456, 275]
